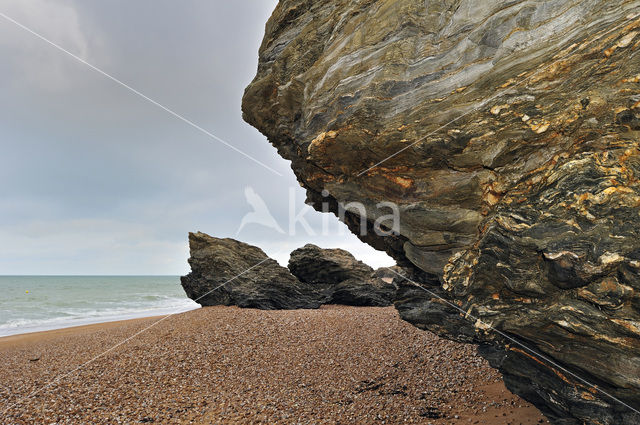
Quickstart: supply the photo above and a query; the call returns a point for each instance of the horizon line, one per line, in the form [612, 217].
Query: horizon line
[89, 275]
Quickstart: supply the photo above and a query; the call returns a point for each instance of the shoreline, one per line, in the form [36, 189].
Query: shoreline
[47, 334]
[227, 365]
[42, 303]
[98, 321]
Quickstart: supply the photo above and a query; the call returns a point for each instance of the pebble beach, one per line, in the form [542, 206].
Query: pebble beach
[225, 365]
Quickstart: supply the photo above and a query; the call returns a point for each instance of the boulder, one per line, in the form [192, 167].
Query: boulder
[229, 272]
[344, 279]
[372, 292]
[315, 265]
[506, 135]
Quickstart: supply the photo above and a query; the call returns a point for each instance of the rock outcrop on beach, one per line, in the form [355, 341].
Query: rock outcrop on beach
[229, 272]
[346, 280]
[506, 133]
[315, 265]
[363, 293]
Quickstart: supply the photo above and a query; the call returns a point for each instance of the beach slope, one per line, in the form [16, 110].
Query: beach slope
[229, 365]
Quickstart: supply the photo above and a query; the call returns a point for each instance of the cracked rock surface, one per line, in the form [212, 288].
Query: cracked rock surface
[506, 132]
[344, 279]
[230, 272]
[315, 265]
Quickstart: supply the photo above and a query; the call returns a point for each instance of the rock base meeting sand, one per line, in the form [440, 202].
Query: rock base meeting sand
[228, 365]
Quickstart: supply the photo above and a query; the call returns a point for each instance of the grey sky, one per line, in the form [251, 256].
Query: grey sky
[96, 180]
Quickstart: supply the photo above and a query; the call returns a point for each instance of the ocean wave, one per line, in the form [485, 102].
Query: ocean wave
[68, 317]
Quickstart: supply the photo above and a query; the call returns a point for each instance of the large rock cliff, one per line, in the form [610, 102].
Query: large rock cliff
[507, 134]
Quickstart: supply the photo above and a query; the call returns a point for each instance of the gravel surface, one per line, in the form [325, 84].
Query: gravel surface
[216, 365]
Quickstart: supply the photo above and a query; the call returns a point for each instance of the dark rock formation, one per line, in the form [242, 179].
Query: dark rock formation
[312, 264]
[229, 272]
[507, 133]
[364, 293]
[345, 280]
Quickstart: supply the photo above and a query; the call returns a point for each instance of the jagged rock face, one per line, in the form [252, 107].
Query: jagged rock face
[312, 264]
[369, 293]
[229, 272]
[344, 279]
[507, 133]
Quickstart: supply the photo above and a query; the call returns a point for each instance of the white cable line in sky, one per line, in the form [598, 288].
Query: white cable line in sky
[145, 97]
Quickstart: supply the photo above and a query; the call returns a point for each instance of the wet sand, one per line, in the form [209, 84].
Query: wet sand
[228, 365]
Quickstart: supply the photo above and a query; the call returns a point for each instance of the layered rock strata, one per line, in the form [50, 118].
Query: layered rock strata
[506, 133]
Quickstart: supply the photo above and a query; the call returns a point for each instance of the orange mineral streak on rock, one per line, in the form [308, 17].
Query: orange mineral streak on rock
[492, 198]
[633, 327]
[537, 360]
[523, 300]
[608, 285]
[635, 79]
[619, 109]
[555, 70]
[581, 198]
[323, 136]
[539, 127]
[625, 41]
[498, 108]
[387, 171]
[401, 181]
[628, 154]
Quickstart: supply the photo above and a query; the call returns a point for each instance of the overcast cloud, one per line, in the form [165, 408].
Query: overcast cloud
[95, 179]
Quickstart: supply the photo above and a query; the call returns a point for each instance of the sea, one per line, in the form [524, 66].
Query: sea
[39, 303]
